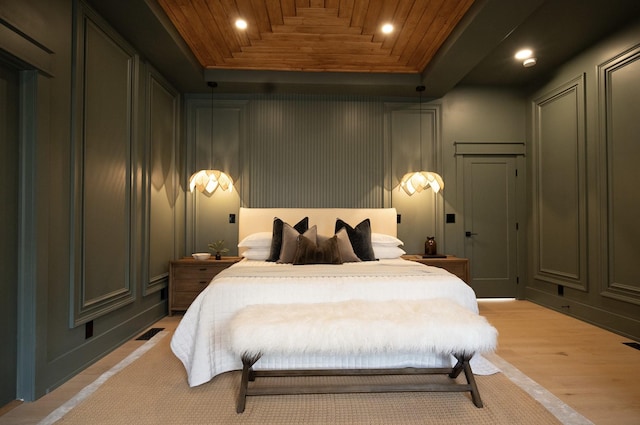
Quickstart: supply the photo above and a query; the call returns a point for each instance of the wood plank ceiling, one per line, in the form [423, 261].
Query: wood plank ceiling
[316, 35]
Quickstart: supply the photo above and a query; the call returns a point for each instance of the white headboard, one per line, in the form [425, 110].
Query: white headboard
[253, 220]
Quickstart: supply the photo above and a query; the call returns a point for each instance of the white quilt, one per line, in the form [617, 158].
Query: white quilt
[202, 339]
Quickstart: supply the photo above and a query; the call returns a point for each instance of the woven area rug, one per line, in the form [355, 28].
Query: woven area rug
[153, 390]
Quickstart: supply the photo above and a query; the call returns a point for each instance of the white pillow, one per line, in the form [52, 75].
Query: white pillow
[260, 254]
[386, 252]
[256, 240]
[385, 240]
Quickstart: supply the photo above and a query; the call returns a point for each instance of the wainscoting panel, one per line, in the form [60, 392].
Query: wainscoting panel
[414, 141]
[619, 101]
[559, 190]
[103, 168]
[161, 158]
[312, 151]
[216, 147]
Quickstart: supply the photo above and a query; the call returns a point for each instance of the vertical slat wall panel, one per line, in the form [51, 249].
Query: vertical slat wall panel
[312, 151]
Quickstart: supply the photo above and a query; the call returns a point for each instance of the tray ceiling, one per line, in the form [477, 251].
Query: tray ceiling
[316, 35]
[477, 50]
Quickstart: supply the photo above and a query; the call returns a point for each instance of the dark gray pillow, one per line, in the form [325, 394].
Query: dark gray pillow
[276, 237]
[360, 238]
[307, 252]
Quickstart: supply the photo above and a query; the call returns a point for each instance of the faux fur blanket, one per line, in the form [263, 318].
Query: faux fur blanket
[356, 326]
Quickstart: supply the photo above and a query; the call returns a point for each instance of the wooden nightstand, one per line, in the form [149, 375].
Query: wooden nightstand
[455, 265]
[189, 277]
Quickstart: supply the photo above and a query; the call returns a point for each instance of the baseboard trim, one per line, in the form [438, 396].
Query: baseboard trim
[90, 352]
[621, 325]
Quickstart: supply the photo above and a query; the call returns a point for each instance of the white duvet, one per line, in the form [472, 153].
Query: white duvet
[202, 340]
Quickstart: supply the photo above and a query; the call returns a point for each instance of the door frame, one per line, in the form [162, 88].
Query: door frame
[493, 149]
[27, 258]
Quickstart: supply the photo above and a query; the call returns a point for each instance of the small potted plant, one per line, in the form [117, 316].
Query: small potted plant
[218, 248]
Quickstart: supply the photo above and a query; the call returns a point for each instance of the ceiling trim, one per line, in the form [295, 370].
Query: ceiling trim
[484, 27]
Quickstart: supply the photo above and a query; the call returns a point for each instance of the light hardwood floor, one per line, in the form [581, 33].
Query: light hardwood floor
[588, 368]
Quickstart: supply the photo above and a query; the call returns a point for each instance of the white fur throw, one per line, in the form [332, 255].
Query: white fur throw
[348, 327]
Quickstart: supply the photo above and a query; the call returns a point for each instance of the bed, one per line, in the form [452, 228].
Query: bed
[202, 339]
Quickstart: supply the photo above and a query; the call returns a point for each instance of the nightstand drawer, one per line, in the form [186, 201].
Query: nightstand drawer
[457, 268]
[182, 300]
[189, 277]
[198, 271]
[454, 265]
[190, 285]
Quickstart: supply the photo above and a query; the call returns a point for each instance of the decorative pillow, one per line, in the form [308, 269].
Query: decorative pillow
[360, 238]
[384, 252]
[290, 244]
[344, 245]
[276, 239]
[384, 239]
[256, 240]
[307, 252]
[260, 254]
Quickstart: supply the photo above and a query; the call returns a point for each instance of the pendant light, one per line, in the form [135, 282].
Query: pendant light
[417, 181]
[207, 181]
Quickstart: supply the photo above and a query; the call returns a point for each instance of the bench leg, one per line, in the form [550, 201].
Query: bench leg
[463, 365]
[247, 374]
[459, 367]
[475, 394]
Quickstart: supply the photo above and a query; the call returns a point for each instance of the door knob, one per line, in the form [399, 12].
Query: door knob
[469, 234]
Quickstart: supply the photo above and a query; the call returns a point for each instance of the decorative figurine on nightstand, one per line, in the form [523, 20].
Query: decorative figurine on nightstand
[430, 246]
[218, 248]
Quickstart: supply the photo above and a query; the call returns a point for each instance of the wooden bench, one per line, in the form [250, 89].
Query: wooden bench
[356, 327]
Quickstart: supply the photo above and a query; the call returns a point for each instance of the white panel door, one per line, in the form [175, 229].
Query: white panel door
[490, 224]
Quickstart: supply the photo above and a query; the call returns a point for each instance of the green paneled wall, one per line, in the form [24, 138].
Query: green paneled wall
[84, 240]
[584, 202]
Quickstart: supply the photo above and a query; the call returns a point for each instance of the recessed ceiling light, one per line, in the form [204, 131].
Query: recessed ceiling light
[529, 62]
[241, 24]
[523, 54]
[387, 28]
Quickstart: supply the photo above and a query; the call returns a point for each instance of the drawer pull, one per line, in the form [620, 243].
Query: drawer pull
[203, 269]
[203, 282]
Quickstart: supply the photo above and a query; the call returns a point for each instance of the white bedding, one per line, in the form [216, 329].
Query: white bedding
[202, 340]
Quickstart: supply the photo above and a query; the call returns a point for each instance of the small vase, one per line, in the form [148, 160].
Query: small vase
[218, 256]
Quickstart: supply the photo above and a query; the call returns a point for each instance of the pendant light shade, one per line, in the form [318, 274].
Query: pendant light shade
[417, 181]
[208, 181]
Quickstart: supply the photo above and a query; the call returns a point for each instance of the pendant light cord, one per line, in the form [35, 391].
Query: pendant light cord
[420, 89]
[213, 85]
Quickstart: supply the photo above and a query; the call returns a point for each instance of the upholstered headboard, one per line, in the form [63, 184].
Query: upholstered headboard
[253, 220]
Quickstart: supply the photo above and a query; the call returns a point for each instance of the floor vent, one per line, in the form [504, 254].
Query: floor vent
[149, 334]
[635, 345]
